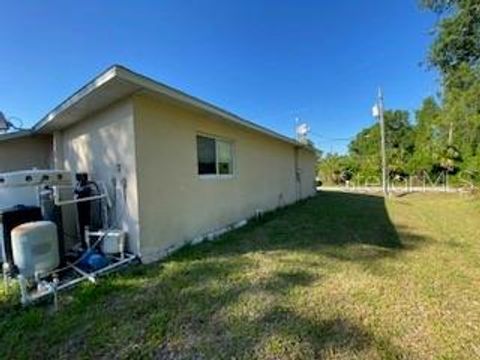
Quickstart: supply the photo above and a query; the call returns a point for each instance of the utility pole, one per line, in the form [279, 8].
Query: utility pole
[377, 113]
[382, 133]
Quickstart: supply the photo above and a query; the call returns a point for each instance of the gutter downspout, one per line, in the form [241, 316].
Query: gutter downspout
[58, 156]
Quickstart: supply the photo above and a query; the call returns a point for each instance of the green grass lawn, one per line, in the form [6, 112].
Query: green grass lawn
[339, 276]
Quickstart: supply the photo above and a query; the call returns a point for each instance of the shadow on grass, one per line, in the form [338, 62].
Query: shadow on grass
[341, 226]
[337, 335]
[232, 298]
[346, 226]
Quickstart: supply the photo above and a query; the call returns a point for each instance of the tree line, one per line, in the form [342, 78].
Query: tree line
[444, 135]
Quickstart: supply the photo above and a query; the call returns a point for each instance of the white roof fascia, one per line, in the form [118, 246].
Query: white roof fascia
[16, 135]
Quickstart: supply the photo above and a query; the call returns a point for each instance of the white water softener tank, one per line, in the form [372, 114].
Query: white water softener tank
[35, 248]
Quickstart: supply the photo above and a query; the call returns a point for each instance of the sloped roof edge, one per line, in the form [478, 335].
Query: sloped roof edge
[139, 81]
[15, 135]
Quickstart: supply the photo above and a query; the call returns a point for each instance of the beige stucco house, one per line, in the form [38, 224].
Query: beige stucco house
[185, 168]
[25, 150]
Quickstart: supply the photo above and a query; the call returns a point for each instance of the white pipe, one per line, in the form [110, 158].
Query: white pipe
[130, 258]
[64, 186]
[71, 283]
[28, 299]
[5, 272]
[99, 232]
[34, 297]
[25, 298]
[90, 277]
[76, 201]
[105, 191]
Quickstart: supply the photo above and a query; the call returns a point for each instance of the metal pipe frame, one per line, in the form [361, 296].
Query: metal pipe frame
[28, 299]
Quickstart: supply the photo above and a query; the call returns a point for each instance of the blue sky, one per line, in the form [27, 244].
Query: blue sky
[268, 61]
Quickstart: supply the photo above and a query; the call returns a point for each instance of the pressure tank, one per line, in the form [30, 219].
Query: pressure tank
[10, 218]
[35, 248]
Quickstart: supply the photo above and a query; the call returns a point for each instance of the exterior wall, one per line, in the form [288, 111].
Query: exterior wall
[103, 145]
[306, 167]
[176, 205]
[25, 152]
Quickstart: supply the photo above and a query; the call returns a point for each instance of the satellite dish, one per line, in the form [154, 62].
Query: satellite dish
[4, 123]
[302, 131]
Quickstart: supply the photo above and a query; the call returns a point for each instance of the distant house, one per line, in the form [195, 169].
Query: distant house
[25, 150]
[186, 168]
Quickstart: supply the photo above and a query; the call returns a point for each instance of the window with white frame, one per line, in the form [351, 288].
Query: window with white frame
[214, 156]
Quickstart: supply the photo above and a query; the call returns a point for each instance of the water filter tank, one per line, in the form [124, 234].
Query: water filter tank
[35, 248]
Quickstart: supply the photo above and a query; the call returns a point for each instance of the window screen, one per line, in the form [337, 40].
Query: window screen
[224, 157]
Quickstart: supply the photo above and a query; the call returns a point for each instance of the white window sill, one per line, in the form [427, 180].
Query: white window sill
[216, 177]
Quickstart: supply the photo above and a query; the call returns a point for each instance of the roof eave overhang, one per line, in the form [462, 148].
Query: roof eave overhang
[119, 82]
[16, 135]
[52, 121]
